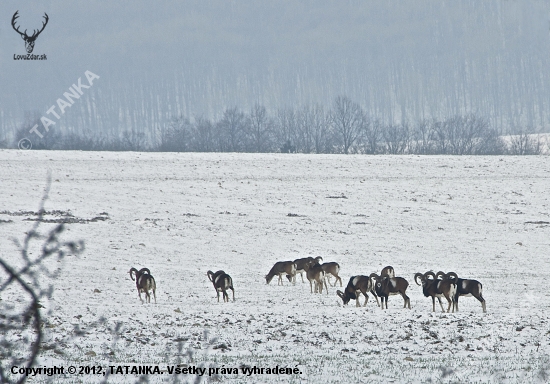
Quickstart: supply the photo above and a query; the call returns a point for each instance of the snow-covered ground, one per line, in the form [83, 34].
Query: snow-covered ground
[183, 214]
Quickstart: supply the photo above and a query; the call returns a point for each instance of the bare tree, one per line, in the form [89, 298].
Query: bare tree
[372, 136]
[347, 119]
[490, 143]
[33, 130]
[440, 137]
[176, 136]
[286, 129]
[462, 135]
[21, 322]
[320, 128]
[463, 130]
[134, 140]
[203, 135]
[259, 126]
[396, 137]
[87, 141]
[423, 137]
[525, 142]
[304, 137]
[232, 128]
[465, 133]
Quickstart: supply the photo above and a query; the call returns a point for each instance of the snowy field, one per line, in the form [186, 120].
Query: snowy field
[180, 215]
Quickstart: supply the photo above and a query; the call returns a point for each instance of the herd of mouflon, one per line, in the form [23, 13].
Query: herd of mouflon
[434, 285]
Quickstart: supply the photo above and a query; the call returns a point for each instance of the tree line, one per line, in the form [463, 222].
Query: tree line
[343, 128]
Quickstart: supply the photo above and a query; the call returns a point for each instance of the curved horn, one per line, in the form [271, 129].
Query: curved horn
[375, 277]
[131, 271]
[441, 275]
[429, 273]
[145, 270]
[452, 276]
[449, 274]
[416, 276]
[346, 297]
[210, 274]
[318, 259]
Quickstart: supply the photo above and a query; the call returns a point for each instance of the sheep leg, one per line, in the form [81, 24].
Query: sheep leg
[482, 301]
[440, 303]
[382, 299]
[406, 300]
[375, 296]
[451, 302]
[366, 298]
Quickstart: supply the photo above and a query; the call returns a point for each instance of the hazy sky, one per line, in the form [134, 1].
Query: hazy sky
[397, 58]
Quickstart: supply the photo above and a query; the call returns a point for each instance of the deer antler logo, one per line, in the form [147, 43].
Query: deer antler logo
[29, 40]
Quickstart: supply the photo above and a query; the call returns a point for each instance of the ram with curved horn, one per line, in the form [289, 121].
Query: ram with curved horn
[388, 271]
[213, 275]
[357, 285]
[464, 287]
[222, 282]
[436, 288]
[385, 286]
[145, 282]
